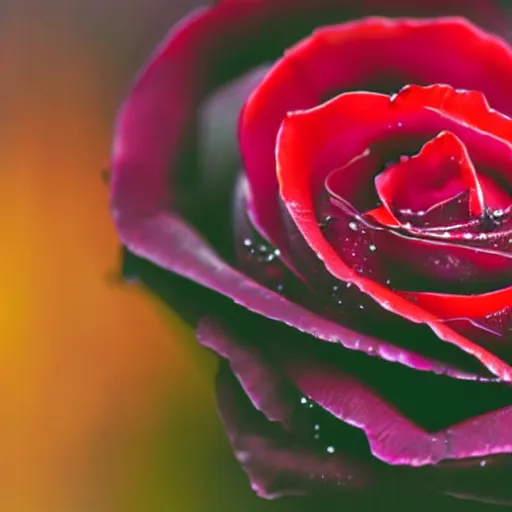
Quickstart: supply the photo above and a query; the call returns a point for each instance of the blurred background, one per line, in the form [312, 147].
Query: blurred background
[106, 401]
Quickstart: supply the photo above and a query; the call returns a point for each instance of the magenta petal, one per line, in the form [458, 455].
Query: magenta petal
[276, 463]
[265, 387]
[392, 437]
[280, 464]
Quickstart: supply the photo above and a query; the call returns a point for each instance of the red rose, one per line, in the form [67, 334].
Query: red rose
[372, 217]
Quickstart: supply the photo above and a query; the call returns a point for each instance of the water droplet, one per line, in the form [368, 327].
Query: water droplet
[303, 400]
[372, 247]
[331, 449]
[483, 463]
[317, 426]
[353, 226]
[323, 224]
[247, 242]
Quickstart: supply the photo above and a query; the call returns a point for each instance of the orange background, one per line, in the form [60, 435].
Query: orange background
[106, 401]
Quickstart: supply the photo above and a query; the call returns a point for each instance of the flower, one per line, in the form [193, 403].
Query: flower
[365, 245]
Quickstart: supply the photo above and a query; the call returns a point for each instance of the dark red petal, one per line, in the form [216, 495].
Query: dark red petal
[440, 171]
[492, 330]
[459, 267]
[305, 76]
[405, 260]
[357, 119]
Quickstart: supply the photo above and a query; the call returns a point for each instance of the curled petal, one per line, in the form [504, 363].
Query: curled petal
[440, 171]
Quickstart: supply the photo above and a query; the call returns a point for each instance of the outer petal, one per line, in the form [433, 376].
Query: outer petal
[268, 391]
[276, 463]
[392, 437]
[337, 385]
[263, 381]
[307, 137]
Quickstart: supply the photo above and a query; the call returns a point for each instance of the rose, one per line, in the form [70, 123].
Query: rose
[365, 223]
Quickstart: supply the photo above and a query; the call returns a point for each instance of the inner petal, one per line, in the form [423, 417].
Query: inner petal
[438, 173]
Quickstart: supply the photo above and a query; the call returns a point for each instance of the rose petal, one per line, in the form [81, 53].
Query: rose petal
[334, 381]
[440, 171]
[404, 259]
[256, 256]
[493, 329]
[266, 388]
[447, 306]
[280, 464]
[392, 437]
[276, 463]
